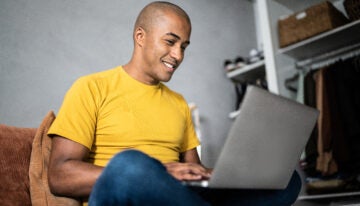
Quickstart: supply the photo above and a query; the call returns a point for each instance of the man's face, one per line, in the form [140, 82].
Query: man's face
[164, 47]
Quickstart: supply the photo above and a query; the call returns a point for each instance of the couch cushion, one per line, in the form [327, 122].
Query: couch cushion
[15, 143]
[38, 171]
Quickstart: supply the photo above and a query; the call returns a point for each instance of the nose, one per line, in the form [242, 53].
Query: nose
[177, 53]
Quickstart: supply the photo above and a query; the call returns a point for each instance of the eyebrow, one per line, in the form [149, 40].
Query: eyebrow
[177, 37]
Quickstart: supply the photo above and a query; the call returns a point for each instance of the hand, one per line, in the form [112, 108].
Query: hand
[187, 171]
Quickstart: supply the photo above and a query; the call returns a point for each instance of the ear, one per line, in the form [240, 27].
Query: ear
[139, 36]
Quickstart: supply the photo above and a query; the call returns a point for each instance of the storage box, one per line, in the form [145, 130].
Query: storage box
[310, 22]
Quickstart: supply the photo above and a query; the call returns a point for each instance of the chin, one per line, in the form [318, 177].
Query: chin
[165, 79]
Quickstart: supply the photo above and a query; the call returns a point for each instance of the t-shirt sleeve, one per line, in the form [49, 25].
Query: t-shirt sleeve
[190, 138]
[76, 119]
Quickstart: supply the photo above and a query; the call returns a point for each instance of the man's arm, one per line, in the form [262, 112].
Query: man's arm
[190, 156]
[69, 173]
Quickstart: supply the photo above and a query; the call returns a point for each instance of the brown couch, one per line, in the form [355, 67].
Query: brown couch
[15, 154]
[23, 166]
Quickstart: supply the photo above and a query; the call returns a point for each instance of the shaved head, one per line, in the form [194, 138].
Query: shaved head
[150, 14]
[161, 34]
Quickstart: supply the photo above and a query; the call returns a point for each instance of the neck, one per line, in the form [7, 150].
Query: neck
[135, 71]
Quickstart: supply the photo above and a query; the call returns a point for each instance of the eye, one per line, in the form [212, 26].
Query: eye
[184, 46]
[170, 42]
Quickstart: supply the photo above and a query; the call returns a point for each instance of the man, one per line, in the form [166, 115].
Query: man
[123, 137]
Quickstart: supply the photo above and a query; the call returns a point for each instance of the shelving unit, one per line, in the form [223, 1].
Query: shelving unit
[281, 63]
[248, 72]
[245, 74]
[323, 43]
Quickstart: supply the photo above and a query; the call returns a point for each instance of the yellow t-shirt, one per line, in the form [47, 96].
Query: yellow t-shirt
[109, 112]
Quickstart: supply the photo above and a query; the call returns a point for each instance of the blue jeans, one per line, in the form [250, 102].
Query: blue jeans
[134, 178]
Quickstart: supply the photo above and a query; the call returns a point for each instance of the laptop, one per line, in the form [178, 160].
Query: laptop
[264, 143]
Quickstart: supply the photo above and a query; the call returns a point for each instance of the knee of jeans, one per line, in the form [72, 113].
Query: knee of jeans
[133, 163]
[128, 156]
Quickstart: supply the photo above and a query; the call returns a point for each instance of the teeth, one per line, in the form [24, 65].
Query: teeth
[169, 65]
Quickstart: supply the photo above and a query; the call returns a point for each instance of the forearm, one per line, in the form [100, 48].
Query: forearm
[69, 173]
[73, 178]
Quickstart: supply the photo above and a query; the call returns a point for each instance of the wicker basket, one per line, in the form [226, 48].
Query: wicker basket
[310, 22]
[352, 8]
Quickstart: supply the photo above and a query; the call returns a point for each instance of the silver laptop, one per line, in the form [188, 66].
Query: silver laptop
[264, 143]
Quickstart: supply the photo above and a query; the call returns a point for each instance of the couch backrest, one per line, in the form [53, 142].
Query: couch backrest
[15, 151]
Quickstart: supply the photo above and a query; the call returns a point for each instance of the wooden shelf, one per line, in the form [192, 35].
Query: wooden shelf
[248, 72]
[325, 42]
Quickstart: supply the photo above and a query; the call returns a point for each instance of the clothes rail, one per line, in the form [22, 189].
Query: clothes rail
[329, 58]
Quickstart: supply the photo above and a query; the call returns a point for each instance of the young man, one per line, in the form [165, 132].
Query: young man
[124, 138]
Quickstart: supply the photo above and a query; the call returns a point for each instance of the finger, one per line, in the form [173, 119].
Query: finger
[187, 176]
[187, 171]
[194, 173]
[200, 170]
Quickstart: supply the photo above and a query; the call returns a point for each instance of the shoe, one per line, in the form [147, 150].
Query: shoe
[240, 62]
[229, 65]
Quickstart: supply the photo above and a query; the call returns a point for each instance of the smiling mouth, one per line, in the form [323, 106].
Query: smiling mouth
[171, 67]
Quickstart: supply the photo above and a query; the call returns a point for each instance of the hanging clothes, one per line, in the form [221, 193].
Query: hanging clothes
[327, 132]
[332, 152]
[311, 152]
[346, 75]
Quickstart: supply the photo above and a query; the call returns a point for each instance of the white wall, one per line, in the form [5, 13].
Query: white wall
[46, 44]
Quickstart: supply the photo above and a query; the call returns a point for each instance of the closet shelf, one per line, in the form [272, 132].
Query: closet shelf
[296, 5]
[330, 57]
[324, 196]
[328, 41]
[248, 72]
